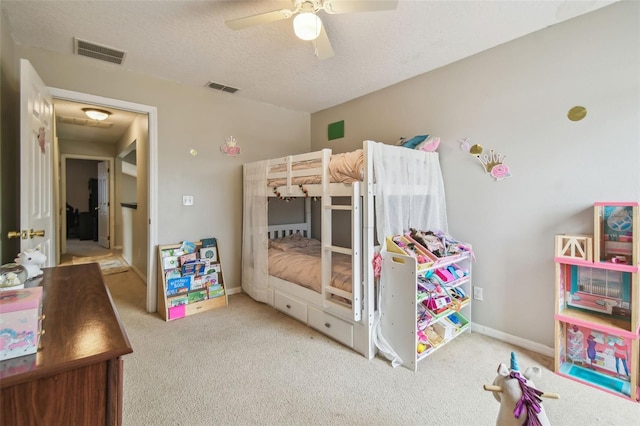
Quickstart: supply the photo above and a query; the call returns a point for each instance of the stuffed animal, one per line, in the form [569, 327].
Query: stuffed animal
[32, 260]
[520, 402]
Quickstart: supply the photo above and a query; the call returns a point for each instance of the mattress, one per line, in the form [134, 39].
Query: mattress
[297, 259]
[343, 168]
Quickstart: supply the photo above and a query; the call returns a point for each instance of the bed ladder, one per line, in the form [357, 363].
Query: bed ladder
[355, 311]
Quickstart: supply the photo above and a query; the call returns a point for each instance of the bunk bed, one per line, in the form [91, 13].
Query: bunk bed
[389, 190]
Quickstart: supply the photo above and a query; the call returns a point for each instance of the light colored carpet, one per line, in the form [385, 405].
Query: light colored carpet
[109, 264]
[249, 364]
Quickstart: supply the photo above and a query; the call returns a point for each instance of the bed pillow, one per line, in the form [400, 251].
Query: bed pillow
[414, 141]
[292, 241]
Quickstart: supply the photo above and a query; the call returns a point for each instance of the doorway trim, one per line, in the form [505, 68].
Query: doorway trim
[63, 195]
[152, 164]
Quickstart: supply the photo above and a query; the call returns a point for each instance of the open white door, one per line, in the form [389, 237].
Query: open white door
[103, 204]
[36, 164]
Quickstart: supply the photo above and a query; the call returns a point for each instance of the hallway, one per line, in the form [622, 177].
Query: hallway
[84, 248]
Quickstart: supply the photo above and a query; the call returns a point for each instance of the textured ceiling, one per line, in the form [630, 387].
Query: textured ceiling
[188, 41]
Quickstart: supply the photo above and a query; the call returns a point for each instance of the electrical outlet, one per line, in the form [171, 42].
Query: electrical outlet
[477, 293]
[187, 200]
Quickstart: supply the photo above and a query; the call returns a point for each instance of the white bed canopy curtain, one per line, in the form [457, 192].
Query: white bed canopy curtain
[255, 243]
[409, 190]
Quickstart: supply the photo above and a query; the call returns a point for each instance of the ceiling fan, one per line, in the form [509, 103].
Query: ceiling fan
[307, 24]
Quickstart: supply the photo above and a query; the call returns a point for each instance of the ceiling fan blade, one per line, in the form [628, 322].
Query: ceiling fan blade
[260, 19]
[323, 45]
[351, 6]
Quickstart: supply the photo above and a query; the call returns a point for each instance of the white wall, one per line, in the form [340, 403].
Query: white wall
[514, 98]
[189, 118]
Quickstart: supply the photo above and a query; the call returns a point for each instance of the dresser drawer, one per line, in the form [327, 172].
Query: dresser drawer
[333, 327]
[290, 306]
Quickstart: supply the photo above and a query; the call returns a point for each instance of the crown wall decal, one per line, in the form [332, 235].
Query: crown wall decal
[493, 163]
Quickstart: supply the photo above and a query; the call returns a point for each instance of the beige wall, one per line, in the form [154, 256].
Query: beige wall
[514, 98]
[137, 133]
[9, 146]
[189, 118]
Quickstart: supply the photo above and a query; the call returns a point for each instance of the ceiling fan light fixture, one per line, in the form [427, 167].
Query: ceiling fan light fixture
[307, 26]
[96, 114]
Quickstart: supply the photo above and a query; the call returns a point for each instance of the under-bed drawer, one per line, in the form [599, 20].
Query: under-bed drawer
[333, 327]
[290, 306]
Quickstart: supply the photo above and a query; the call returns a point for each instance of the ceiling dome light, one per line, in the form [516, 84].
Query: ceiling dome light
[96, 114]
[307, 26]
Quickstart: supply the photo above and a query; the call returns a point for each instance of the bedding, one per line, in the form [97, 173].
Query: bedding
[297, 259]
[343, 168]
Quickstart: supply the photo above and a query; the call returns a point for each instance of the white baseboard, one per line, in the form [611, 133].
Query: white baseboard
[138, 273]
[514, 340]
[234, 290]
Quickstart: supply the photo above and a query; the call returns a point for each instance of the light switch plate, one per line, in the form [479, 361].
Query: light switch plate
[187, 200]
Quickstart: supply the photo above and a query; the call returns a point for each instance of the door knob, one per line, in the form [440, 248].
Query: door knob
[17, 234]
[39, 233]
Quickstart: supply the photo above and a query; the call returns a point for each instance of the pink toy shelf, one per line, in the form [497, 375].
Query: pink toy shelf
[597, 312]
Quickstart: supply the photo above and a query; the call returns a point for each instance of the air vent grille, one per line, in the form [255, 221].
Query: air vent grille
[96, 51]
[221, 87]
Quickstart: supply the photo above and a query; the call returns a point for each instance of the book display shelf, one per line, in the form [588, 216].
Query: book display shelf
[597, 313]
[190, 279]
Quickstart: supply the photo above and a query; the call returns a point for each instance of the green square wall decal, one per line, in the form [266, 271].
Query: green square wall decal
[336, 130]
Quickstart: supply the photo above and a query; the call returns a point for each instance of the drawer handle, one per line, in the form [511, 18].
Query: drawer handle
[326, 324]
[288, 306]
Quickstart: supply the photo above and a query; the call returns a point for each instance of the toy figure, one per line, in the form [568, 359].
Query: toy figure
[621, 354]
[591, 350]
[520, 401]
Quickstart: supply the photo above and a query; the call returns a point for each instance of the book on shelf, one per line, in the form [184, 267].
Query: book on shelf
[197, 296]
[170, 262]
[194, 267]
[210, 253]
[178, 285]
[171, 252]
[173, 273]
[178, 301]
[215, 291]
[185, 258]
[208, 242]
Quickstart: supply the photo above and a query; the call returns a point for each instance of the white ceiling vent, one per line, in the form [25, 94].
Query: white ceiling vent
[222, 87]
[96, 51]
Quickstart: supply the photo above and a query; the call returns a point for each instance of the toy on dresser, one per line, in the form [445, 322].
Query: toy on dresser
[21, 319]
[520, 402]
[32, 260]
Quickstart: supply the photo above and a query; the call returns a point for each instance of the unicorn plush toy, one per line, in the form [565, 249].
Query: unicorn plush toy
[520, 402]
[32, 260]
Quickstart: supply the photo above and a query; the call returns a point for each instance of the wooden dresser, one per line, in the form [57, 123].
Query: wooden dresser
[76, 377]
